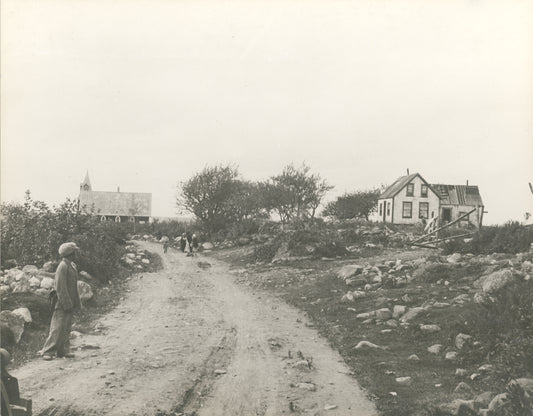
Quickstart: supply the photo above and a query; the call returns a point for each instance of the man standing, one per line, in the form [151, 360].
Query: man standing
[68, 301]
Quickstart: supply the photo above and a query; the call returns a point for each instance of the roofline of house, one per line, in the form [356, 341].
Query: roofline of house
[415, 175]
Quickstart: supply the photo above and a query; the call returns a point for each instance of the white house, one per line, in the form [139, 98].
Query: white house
[411, 200]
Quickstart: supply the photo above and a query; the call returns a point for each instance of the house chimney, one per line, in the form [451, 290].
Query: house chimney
[467, 182]
[407, 171]
[118, 188]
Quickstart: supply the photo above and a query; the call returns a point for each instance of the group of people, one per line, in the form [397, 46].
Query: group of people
[187, 243]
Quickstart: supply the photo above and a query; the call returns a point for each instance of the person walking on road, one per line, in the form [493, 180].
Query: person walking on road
[183, 243]
[68, 301]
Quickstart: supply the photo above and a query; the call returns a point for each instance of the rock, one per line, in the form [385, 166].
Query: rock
[243, 241]
[357, 294]
[474, 376]
[454, 408]
[367, 345]
[440, 305]
[454, 258]
[145, 261]
[460, 372]
[463, 388]
[398, 311]
[483, 399]
[220, 372]
[86, 276]
[49, 266]
[306, 386]
[461, 340]
[4, 290]
[85, 291]
[364, 315]
[411, 314]
[347, 298]
[485, 368]
[435, 349]
[24, 313]
[42, 292]
[208, 246]
[526, 384]
[47, 283]
[413, 357]
[330, 407]
[461, 299]
[497, 402]
[348, 271]
[404, 381]
[494, 282]
[35, 282]
[392, 323]
[359, 281]
[429, 329]
[14, 322]
[377, 279]
[30, 269]
[383, 314]
[452, 355]
[23, 285]
[302, 365]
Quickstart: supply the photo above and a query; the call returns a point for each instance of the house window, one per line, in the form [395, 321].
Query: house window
[407, 211]
[103, 218]
[423, 210]
[117, 219]
[424, 191]
[466, 219]
[410, 189]
[131, 219]
[388, 209]
[380, 208]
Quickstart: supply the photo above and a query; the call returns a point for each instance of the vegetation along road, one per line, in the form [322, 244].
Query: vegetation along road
[187, 340]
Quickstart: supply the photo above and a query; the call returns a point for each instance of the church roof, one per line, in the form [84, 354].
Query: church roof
[116, 203]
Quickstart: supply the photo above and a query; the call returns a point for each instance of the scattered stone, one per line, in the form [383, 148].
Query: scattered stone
[85, 291]
[461, 340]
[348, 271]
[454, 258]
[42, 292]
[435, 349]
[392, 323]
[474, 376]
[34, 282]
[461, 299]
[398, 311]
[497, 402]
[330, 407]
[363, 315]
[49, 266]
[494, 282]
[526, 384]
[463, 388]
[404, 381]
[452, 355]
[302, 365]
[485, 368]
[30, 270]
[483, 399]
[47, 283]
[460, 372]
[411, 314]
[383, 314]
[15, 323]
[440, 305]
[24, 313]
[145, 261]
[220, 372]
[86, 276]
[413, 357]
[429, 329]
[306, 386]
[367, 345]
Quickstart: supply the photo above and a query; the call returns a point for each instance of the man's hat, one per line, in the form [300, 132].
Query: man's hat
[67, 248]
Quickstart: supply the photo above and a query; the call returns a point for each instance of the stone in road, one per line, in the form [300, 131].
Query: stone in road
[188, 340]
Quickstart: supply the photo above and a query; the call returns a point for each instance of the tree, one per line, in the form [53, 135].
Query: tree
[207, 195]
[295, 194]
[359, 204]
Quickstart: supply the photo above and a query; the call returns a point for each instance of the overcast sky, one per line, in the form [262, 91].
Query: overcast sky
[143, 94]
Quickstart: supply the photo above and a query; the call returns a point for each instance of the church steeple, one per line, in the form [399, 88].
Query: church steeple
[86, 184]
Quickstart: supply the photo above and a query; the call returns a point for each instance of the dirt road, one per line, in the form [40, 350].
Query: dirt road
[187, 340]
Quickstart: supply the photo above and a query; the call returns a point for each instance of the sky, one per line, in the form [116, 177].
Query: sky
[143, 94]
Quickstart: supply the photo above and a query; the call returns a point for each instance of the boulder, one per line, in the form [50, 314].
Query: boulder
[35, 282]
[85, 291]
[357, 281]
[463, 388]
[23, 285]
[454, 258]
[15, 323]
[460, 372]
[413, 357]
[362, 345]
[429, 329]
[497, 402]
[404, 381]
[4, 290]
[483, 399]
[461, 340]
[47, 283]
[86, 276]
[452, 355]
[243, 241]
[461, 299]
[50, 266]
[526, 384]
[208, 246]
[398, 311]
[494, 282]
[411, 314]
[348, 271]
[145, 261]
[456, 407]
[383, 314]
[30, 269]
[435, 349]
[24, 313]
[347, 298]
[43, 292]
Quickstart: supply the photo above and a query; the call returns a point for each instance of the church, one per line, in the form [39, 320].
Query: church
[115, 206]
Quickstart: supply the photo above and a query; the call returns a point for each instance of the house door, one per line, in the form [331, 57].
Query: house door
[384, 210]
[446, 215]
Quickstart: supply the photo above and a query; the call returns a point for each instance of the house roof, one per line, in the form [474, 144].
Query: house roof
[458, 194]
[400, 183]
[117, 203]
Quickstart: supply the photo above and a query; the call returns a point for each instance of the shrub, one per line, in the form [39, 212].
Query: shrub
[32, 232]
[512, 238]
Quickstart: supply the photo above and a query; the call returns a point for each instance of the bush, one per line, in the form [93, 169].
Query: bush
[511, 238]
[32, 232]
